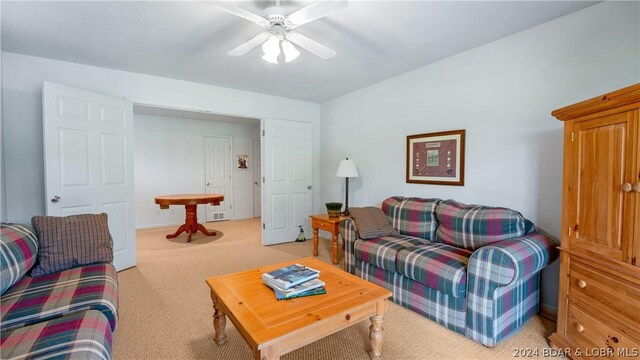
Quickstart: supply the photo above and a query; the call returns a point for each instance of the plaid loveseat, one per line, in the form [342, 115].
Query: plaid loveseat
[473, 269]
[69, 314]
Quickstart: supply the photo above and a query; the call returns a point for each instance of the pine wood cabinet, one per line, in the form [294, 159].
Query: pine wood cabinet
[599, 295]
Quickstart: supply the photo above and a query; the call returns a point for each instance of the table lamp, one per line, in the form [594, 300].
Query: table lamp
[347, 169]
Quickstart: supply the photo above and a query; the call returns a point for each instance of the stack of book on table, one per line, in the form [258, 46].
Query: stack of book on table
[294, 281]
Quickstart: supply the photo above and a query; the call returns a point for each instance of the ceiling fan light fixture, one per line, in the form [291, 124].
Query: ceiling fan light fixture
[271, 49]
[270, 58]
[290, 51]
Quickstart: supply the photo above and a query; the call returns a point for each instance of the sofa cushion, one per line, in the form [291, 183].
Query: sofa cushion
[18, 249]
[474, 226]
[85, 335]
[371, 222]
[382, 252]
[439, 266]
[35, 299]
[67, 242]
[412, 216]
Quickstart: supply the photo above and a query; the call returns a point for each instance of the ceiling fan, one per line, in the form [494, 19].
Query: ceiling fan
[279, 29]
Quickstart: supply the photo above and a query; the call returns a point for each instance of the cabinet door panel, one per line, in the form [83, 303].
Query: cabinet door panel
[603, 160]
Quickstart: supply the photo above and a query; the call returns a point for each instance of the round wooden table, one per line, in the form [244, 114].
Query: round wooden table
[190, 202]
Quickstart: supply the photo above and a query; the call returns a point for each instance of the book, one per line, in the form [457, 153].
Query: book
[317, 291]
[300, 288]
[289, 276]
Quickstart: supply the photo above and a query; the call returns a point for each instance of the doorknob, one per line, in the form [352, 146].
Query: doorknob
[208, 184]
[255, 183]
[626, 187]
[636, 187]
[309, 187]
[55, 198]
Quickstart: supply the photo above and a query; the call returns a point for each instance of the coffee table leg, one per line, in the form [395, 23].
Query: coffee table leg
[375, 337]
[267, 353]
[219, 323]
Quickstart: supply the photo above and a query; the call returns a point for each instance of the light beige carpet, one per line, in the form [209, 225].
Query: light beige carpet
[165, 311]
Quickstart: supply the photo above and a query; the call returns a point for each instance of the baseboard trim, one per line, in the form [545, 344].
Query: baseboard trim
[158, 225]
[549, 312]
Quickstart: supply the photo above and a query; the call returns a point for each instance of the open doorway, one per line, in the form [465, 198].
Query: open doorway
[186, 151]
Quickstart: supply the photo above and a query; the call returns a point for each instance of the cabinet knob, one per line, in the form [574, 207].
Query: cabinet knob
[636, 187]
[579, 327]
[582, 284]
[626, 187]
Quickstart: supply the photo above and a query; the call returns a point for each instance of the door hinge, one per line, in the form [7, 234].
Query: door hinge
[263, 226]
[262, 132]
[230, 207]
[263, 179]
[570, 232]
[572, 137]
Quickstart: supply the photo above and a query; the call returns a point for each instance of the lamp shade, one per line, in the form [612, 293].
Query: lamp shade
[347, 168]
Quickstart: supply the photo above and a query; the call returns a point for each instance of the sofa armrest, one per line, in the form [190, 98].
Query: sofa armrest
[349, 234]
[506, 262]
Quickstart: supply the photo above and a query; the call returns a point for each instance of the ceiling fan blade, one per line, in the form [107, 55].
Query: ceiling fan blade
[234, 10]
[315, 11]
[310, 45]
[249, 45]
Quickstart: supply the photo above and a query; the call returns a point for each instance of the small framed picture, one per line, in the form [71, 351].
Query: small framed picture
[436, 158]
[241, 162]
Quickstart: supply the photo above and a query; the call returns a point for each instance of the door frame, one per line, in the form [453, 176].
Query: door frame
[231, 172]
[253, 147]
[174, 106]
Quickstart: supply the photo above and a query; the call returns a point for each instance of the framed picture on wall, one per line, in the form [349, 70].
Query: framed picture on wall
[436, 158]
[241, 162]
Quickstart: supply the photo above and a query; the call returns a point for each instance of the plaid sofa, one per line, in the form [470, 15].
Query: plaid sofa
[473, 269]
[69, 314]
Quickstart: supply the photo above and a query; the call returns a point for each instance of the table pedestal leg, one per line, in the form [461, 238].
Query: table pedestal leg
[191, 225]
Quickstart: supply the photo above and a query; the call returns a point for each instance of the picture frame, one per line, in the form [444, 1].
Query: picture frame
[242, 162]
[436, 158]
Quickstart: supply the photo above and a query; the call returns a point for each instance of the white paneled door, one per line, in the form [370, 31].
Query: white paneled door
[218, 179]
[88, 151]
[287, 180]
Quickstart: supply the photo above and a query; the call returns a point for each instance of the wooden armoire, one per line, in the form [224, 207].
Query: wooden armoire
[599, 287]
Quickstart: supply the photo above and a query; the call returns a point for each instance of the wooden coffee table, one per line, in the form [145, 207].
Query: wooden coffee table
[273, 328]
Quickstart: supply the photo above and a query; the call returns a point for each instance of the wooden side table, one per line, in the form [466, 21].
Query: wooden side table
[332, 225]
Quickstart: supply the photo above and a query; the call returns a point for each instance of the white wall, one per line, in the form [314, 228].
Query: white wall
[3, 189]
[169, 159]
[502, 93]
[22, 78]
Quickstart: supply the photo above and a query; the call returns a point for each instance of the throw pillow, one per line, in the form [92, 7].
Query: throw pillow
[371, 222]
[474, 226]
[72, 241]
[18, 248]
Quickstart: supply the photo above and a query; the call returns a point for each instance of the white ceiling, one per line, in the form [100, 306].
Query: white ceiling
[374, 40]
